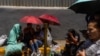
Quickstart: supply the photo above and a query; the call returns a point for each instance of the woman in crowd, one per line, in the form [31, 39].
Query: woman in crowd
[72, 42]
[14, 47]
[28, 33]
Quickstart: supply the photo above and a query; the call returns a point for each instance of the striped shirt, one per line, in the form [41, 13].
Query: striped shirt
[92, 48]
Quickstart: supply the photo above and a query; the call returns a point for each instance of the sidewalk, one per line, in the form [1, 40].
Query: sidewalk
[61, 42]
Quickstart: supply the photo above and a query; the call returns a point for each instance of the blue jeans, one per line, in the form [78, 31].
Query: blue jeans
[36, 45]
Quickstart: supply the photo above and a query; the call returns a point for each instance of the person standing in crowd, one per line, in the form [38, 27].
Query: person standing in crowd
[72, 41]
[91, 47]
[14, 47]
[84, 34]
[90, 17]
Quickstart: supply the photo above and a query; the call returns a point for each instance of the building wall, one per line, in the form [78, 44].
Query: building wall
[50, 3]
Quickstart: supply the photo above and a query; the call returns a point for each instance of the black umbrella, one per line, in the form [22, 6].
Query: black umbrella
[86, 6]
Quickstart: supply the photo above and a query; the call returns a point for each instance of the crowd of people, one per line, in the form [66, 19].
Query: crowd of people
[30, 39]
[90, 46]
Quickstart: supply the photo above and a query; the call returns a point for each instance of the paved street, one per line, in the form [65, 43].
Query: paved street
[61, 42]
[67, 18]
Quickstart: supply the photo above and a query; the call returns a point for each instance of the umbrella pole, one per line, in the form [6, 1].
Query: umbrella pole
[45, 38]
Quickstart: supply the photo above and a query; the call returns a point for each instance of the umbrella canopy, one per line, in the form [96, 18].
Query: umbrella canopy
[31, 19]
[86, 6]
[47, 18]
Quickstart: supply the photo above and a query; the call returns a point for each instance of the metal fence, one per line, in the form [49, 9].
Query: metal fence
[38, 3]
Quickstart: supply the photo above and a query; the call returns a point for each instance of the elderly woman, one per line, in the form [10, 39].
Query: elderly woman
[14, 47]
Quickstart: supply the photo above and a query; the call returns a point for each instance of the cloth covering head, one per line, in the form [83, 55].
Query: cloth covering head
[14, 47]
[14, 34]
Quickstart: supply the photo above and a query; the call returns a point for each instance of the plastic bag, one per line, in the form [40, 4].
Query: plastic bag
[2, 39]
[49, 38]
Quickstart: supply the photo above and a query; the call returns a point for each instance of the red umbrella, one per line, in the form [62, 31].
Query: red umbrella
[31, 19]
[47, 18]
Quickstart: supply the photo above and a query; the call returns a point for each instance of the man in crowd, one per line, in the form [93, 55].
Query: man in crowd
[91, 47]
